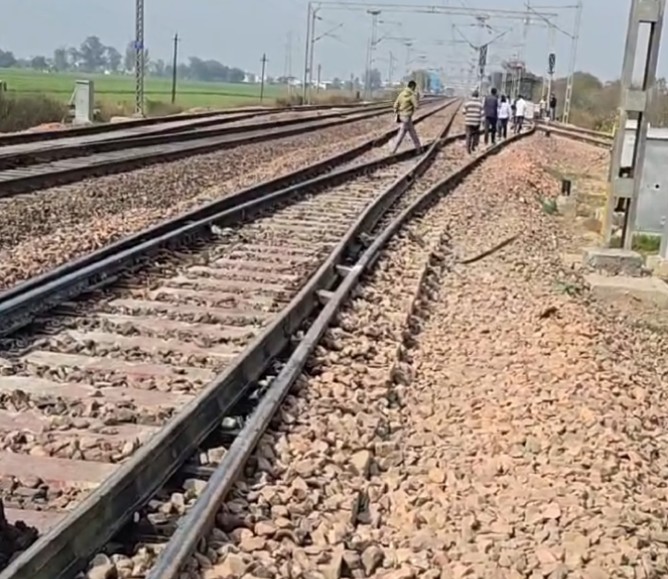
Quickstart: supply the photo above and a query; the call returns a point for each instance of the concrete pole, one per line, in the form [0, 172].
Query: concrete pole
[306, 51]
[175, 60]
[571, 67]
[635, 101]
[314, 17]
[264, 68]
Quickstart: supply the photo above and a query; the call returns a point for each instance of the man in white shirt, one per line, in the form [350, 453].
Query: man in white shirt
[542, 109]
[520, 112]
[504, 116]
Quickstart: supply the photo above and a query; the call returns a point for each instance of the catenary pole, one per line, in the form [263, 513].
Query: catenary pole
[175, 60]
[306, 51]
[263, 60]
[571, 67]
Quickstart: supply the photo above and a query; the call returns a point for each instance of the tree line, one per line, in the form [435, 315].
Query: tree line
[93, 56]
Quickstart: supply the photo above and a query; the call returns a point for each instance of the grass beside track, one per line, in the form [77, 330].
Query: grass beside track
[34, 98]
[119, 89]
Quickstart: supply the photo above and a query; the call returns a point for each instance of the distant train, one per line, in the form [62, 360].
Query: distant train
[435, 83]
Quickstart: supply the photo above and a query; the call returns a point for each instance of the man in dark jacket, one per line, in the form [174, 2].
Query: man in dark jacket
[553, 107]
[491, 112]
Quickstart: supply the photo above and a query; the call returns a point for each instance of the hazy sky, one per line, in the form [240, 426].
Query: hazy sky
[237, 32]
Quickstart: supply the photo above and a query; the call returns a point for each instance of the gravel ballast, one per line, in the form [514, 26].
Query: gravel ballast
[503, 428]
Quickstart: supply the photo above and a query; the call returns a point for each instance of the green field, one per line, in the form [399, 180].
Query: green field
[119, 89]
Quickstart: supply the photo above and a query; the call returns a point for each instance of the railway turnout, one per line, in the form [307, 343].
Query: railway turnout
[231, 392]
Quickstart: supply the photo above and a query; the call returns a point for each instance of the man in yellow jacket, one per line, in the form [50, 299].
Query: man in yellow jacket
[405, 107]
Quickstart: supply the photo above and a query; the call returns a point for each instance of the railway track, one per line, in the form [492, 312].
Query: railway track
[20, 156]
[596, 138]
[85, 238]
[227, 304]
[215, 467]
[20, 303]
[130, 156]
[138, 125]
[241, 287]
[31, 142]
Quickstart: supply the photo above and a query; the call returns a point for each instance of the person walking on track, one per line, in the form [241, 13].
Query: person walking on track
[520, 112]
[504, 117]
[472, 117]
[491, 107]
[405, 107]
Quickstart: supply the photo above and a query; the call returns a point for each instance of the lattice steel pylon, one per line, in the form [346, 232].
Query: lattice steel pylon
[635, 102]
[140, 58]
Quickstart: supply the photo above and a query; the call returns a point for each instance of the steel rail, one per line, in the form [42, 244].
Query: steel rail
[20, 304]
[575, 128]
[26, 137]
[596, 138]
[200, 517]
[168, 125]
[16, 182]
[211, 127]
[575, 136]
[65, 548]
[36, 136]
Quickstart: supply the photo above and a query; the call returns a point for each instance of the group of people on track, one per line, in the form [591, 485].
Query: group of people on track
[494, 113]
